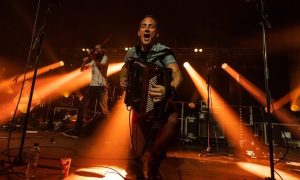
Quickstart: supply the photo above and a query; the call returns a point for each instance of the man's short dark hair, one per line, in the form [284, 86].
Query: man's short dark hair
[102, 46]
[153, 17]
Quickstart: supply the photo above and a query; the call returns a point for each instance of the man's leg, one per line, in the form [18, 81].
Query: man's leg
[82, 113]
[88, 96]
[102, 100]
[159, 148]
[138, 133]
[80, 117]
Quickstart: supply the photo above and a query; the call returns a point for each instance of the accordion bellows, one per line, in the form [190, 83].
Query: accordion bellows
[140, 78]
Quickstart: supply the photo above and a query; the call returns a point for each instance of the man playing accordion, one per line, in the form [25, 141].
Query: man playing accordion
[150, 53]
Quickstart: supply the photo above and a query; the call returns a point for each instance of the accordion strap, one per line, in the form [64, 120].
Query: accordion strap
[157, 56]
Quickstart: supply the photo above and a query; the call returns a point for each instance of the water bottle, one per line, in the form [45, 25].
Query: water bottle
[33, 161]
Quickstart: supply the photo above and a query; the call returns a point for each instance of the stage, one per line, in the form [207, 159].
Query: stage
[95, 157]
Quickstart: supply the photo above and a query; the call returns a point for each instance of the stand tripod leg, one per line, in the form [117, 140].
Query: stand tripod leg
[208, 148]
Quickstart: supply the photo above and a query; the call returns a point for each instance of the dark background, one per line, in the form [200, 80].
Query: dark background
[228, 31]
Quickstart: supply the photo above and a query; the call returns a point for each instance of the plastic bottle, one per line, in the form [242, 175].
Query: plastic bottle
[33, 161]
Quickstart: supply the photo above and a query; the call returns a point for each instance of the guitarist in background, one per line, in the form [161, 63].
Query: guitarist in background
[151, 51]
[97, 90]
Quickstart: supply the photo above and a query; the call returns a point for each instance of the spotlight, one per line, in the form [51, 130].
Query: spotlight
[61, 63]
[126, 48]
[296, 105]
[198, 50]
[224, 65]
[83, 49]
[186, 64]
[66, 94]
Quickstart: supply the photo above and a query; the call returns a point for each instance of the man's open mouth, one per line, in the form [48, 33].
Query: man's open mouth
[146, 35]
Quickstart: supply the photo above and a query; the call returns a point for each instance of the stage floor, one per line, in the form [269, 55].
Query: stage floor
[95, 157]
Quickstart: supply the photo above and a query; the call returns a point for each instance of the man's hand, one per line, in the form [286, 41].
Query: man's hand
[157, 92]
[85, 61]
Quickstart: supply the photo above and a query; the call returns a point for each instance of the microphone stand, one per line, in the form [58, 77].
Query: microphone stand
[19, 160]
[208, 148]
[265, 23]
[39, 40]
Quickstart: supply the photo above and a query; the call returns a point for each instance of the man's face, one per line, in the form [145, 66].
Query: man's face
[148, 31]
[98, 50]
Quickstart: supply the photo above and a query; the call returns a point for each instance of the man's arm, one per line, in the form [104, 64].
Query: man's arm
[176, 75]
[85, 61]
[102, 65]
[123, 75]
[158, 92]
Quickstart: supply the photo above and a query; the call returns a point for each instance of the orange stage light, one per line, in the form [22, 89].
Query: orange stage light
[118, 120]
[295, 99]
[260, 171]
[296, 105]
[42, 70]
[111, 139]
[105, 172]
[290, 97]
[238, 134]
[54, 86]
[57, 85]
[5, 84]
[85, 77]
[9, 107]
[114, 68]
[282, 114]
[258, 94]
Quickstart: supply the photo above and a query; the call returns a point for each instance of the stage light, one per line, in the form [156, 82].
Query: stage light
[104, 141]
[296, 105]
[83, 49]
[225, 116]
[126, 48]
[5, 84]
[186, 64]
[61, 63]
[289, 97]
[82, 79]
[105, 172]
[260, 171]
[224, 65]
[281, 114]
[198, 50]
[54, 86]
[66, 94]
[114, 68]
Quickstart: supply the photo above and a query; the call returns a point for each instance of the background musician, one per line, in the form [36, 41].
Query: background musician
[97, 89]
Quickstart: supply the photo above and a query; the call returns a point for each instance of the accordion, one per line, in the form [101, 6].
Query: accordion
[140, 79]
